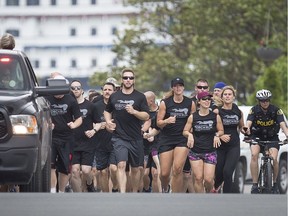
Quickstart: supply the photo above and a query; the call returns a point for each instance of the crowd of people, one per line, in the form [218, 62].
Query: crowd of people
[183, 144]
[121, 140]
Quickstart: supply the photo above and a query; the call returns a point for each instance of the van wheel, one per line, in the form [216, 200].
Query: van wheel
[282, 176]
[238, 181]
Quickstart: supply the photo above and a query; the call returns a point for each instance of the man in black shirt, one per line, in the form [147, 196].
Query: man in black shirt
[124, 114]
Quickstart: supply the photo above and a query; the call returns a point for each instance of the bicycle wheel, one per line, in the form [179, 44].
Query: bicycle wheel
[268, 177]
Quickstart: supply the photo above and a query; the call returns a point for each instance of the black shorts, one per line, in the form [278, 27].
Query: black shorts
[60, 155]
[187, 166]
[104, 159]
[165, 148]
[83, 158]
[130, 151]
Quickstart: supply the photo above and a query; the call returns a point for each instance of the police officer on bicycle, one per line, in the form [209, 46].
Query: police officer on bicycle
[264, 122]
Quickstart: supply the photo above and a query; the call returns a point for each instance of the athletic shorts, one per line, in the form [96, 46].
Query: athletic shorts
[187, 166]
[83, 158]
[130, 151]
[271, 145]
[104, 159]
[165, 148]
[60, 155]
[210, 157]
[150, 162]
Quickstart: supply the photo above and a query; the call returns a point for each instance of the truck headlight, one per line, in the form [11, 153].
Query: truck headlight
[24, 124]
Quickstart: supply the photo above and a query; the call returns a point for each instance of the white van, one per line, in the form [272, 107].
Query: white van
[242, 172]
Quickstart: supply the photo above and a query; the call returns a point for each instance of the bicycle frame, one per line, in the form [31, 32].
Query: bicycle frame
[265, 177]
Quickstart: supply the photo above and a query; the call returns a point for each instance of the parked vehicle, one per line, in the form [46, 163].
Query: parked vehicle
[242, 172]
[25, 123]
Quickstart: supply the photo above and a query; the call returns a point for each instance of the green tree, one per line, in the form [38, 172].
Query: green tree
[274, 79]
[210, 39]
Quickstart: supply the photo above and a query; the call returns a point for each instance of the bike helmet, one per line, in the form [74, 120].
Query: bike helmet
[263, 94]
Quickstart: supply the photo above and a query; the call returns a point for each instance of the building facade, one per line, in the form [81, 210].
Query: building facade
[73, 37]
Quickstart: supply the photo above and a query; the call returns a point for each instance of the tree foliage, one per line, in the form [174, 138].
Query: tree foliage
[215, 40]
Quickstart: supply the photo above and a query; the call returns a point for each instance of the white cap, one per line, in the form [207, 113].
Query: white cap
[112, 80]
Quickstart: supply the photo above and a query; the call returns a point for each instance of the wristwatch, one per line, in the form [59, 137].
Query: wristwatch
[95, 130]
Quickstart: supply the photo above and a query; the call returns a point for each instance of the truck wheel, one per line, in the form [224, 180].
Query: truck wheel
[35, 184]
[282, 176]
[239, 179]
[46, 174]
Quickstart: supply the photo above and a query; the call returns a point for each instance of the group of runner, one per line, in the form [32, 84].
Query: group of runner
[183, 144]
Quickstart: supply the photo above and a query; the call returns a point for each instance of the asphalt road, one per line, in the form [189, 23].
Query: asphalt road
[138, 204]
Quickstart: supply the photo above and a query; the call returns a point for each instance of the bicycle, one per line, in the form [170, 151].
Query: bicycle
[265, 177]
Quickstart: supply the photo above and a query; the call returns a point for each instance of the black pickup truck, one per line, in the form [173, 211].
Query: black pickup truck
[25, 123]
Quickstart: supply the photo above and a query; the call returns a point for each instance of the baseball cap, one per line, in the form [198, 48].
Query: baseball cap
[176, 81]
[112, 80]
[219, 85]
[203, 94]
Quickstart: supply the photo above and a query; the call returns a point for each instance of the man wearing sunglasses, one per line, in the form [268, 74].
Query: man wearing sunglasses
[124, 114]
[264, 122]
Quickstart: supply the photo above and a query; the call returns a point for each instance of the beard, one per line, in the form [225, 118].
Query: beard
[128, 86]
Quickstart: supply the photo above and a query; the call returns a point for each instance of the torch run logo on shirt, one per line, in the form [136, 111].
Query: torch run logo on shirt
[121, 104]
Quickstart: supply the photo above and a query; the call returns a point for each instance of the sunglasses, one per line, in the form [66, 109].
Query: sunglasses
[264, 101]
[128, 77]
[206, 98]
[202, 87]
[75, 88]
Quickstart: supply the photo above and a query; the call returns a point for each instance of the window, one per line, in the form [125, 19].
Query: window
[53, 2]
[12, 2]
[73, 63]
[93, 2]
[114, 30]
[36, 64]
[93, 31]
[73, 2]
[53, 63]
[14, 32]
[32, 2]
[72, 32]
[94, 63]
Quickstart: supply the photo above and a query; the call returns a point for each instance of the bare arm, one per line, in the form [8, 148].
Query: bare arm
[187, 132]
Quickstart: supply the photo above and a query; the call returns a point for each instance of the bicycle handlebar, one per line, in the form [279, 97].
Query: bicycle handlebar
[255, 141]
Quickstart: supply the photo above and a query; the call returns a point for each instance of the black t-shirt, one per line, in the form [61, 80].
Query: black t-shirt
[102, 137]
[82, 142]
[63, 110]
[128, 127]
[204, 129]
[173, 133]
[231, 119]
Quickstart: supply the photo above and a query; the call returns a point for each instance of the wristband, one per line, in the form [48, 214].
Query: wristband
[216, 134]
[95, 130]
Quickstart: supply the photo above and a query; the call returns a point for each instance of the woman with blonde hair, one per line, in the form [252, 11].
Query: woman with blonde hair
[229, 152]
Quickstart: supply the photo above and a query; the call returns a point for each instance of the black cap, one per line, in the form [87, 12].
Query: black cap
[177, 80]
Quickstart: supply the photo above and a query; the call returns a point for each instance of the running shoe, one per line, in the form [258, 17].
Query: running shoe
[115, 190]
[254, 189]
[68, 189]
[275, 189]
[91, 188]
[167, 191]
